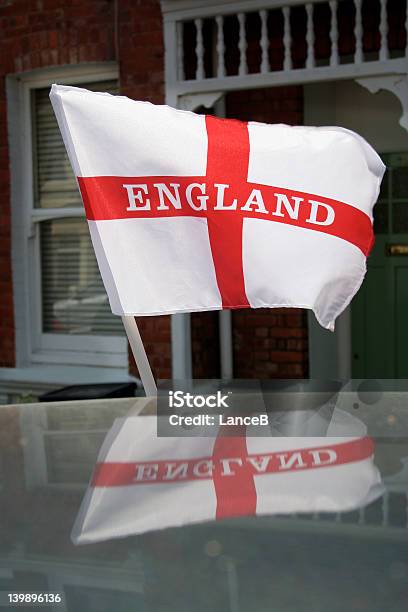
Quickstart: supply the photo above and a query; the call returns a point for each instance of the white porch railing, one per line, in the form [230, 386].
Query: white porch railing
[201, 37]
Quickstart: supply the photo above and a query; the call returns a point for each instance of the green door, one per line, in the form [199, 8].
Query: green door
[380, 309]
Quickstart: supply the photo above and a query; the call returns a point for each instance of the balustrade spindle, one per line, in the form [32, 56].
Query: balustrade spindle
[310, 60]
[358, 34]
[334, 35]
[287, 41]
[264, 41]
[265, 67]
[180, 52]
[384, 31]
[243, 68]
[220, 46]
[199, 49]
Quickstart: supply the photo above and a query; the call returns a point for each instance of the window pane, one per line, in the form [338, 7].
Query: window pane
[55, 184]
[400, 183]
[384, 195]
[73, 296]
[381, 217]
[393, 196]
[400, 217]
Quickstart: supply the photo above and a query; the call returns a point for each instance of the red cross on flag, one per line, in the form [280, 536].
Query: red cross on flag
[143, 482]
[190, 212]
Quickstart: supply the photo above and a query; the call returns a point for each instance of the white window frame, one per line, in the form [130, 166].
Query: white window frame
[33, 346]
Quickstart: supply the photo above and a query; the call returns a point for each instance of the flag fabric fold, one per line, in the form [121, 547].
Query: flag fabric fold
[189, 212]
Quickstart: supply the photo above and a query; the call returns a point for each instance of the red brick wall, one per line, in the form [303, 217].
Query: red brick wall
[270, 343]
[205, 344]
[44, 33]
[273, 105]
[36, 34]
[141, 49]
[156, 335]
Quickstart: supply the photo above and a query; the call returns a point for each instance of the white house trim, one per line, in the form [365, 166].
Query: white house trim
[177, 13]
[33, 347]
[181, 347]
[191, 102]
[396, 84]
[295, 76]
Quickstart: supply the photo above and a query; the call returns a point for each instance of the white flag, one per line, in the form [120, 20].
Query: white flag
[190, 212]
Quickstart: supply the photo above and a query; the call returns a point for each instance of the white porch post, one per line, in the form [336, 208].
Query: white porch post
[180, 323]
[226, 353]
[181, 346]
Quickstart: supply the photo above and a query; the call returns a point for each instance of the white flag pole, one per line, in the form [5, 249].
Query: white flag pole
[139, 353]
